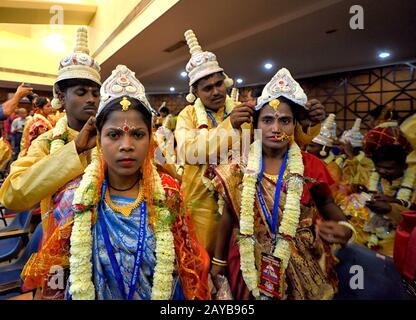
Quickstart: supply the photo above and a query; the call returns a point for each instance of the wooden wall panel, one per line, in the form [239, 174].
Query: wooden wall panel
[174, 102]
[353, 94]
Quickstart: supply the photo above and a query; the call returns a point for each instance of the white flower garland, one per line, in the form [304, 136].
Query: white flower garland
[408, 182]
[80, 266]
[165, 251]
[387, 124]
[372, 184]
[340, 160]
[201, 113]
[290, 219]
[221, 204]
[404, 192]
[59, 134]
[206, 181]
[81, 285]
[246, 243]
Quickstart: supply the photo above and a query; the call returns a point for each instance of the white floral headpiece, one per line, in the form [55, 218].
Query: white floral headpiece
[327, 135]
[77, 65]
[282, 85]
[354, 136]
[123, 82]
[201, 64]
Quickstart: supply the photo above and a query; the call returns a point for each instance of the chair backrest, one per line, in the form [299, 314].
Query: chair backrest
[32, 246]
[20, 222]
[23, 219]
[10, 248]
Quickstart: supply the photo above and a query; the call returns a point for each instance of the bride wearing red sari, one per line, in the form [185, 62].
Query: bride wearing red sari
[279, 217]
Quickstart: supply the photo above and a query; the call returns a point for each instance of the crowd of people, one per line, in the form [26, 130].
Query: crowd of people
[250, 197]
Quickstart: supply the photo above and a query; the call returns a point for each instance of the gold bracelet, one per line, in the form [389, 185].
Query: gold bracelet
[218, 263]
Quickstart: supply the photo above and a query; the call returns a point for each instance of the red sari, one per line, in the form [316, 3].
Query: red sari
[33, 129]
[309, 274]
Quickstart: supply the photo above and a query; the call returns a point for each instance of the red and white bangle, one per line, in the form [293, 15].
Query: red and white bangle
[218, 262]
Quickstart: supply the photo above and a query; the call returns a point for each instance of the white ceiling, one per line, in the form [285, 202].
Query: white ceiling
[244, 34]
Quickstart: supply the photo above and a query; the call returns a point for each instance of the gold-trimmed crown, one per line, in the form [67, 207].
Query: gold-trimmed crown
[282, 85]
[123, 83]
[202, 63]
[77, 65]
[353, 136]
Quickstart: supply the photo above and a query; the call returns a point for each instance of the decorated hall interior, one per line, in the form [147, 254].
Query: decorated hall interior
[208, 150]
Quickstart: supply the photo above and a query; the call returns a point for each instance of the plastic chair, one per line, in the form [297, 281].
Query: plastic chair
[14, 236]
[19, 296]
[10, 248]
[10, 274]
[379, 277]
[3, 214]
[20, 222]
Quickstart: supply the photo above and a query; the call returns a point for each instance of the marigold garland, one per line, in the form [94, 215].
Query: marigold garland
[291, 214]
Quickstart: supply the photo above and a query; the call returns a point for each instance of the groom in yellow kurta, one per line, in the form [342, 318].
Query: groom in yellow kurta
[35, 177]
[217, 118]
[356, 168]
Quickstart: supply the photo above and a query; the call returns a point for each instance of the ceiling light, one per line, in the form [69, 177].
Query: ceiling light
[183, 74]
[172, 89]
[239, 81]
[384, 55]
[268, 66]
[55, 42]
